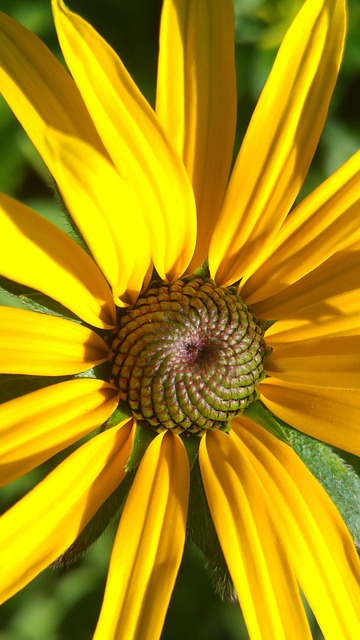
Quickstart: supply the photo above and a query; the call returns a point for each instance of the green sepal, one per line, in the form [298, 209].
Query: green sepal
[201, 532]
[203, 271]
[35, 301]
[338, 479]
[112, 507]
[265, 325]
[73, 230]
[191, 443]
[121, 413]
[100, 372]
[142, 435]
[13, 288]
[142, 438]
[257, 412]
[13, 385]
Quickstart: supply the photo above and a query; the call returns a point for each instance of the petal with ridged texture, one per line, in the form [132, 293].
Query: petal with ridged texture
[325, 222]
[39, 424]
[41, 526]
[38, 89]
[280, 141]
[311, 531]
[106, 210]
[330, 415]
[261, 572]
[338, 275]
[37, 344]
[321, 362]
[196, 100]
[134, 139]
[149, 544]
[336, 315]
[36, 253]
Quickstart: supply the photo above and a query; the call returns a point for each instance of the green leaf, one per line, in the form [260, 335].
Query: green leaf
[339, 480]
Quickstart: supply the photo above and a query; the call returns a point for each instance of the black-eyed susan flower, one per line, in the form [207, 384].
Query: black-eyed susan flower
[200, 300]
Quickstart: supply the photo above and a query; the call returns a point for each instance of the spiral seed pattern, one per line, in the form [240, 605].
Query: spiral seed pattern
[188, 356]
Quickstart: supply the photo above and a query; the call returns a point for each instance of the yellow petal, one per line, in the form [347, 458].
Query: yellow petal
[280, 141]
[107, 212]
[36, 253]
[37, 344]
[196, 100]
[38, 89]
[337, 315]
[134, 140]
[325, 222]
[36, 426]
[310, 530]
[149, 545]
[338, 275]
[41, 526]
[262, 576]
[325, 362]
[330, 415]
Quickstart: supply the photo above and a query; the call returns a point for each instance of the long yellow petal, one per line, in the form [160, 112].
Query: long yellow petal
[36, 426]
[38, 89]
[196, 100]
[325, 222]
[106, 210]
[262, 575]
[330, 415]
[36, 253]
[311, 531]
[37, 344]
[41, 526]
[337, 315]
[280, 141]
[134, 140]
[337, 275]
[322, 362]
[148, 546]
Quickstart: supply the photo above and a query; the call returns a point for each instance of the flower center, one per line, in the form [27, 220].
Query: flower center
[188, 356]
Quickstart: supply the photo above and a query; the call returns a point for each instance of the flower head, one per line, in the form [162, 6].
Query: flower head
[204, 294]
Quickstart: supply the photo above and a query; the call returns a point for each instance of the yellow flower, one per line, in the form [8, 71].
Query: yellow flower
[150, 189]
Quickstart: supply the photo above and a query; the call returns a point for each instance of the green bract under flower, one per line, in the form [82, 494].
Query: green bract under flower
[188, 353]
[188, 356]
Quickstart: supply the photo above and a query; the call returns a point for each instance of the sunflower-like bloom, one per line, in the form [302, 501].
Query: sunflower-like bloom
[149, 191]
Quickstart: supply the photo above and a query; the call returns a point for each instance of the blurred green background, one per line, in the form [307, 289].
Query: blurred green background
[64, 605]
